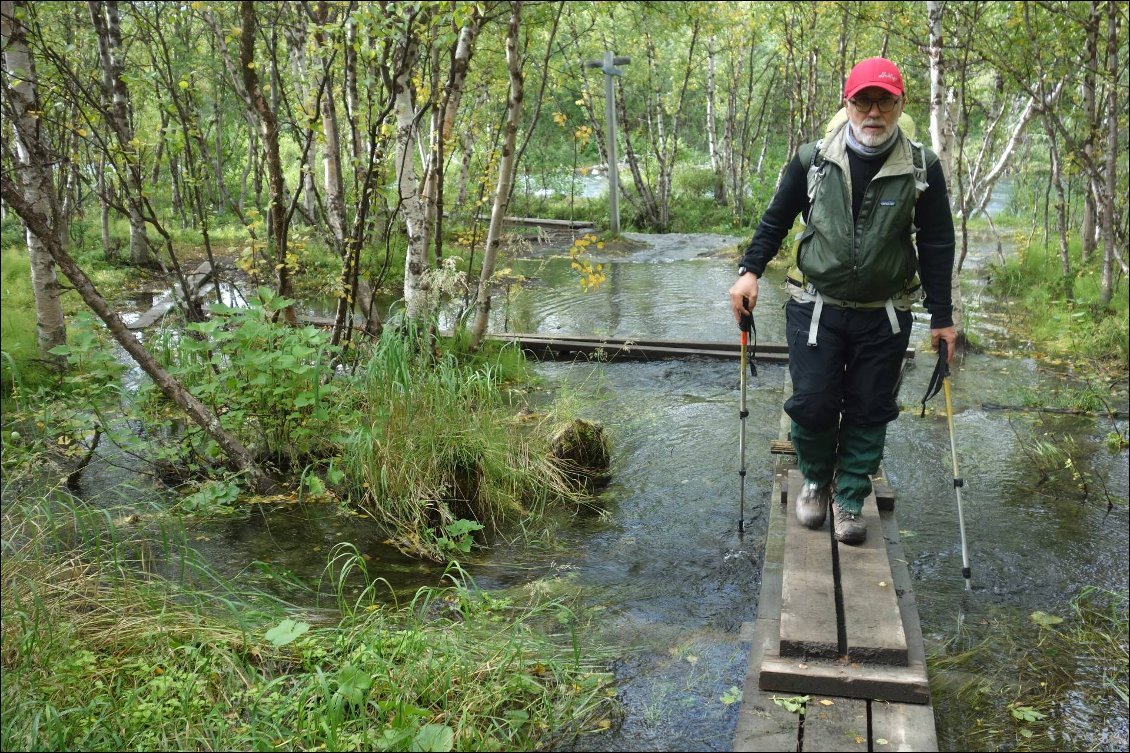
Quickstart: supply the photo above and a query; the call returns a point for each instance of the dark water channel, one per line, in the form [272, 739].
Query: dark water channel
[667, 576]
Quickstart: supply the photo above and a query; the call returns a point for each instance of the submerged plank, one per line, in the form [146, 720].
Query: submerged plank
[762, 724]
[808, 596]
[834, 724]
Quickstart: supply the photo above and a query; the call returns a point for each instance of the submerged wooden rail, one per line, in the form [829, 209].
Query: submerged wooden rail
[197, 288]
[596, 347]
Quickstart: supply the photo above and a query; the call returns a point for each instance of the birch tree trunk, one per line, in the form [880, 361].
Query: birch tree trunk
[442, 131]
[108, 249]
[296, 34]
[712, 144]
[505, 175]
[416, 283]
[107, 24]
[34, 173]
[940, 128]
[1113, 116]
[1090, 117]
[269, 131]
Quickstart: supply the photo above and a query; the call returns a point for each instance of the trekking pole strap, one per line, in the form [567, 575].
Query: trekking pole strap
[938, 378]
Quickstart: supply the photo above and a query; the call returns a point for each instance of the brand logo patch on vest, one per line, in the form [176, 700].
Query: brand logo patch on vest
[887, 203]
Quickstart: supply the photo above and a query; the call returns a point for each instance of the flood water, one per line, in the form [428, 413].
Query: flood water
[664, 573]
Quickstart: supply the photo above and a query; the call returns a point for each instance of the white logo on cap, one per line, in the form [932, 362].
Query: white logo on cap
[891, 76]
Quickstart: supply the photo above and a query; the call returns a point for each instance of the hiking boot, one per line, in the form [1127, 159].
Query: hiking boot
[812, 504]
[850, 528]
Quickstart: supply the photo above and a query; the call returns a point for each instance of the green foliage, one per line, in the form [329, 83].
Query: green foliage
[213, 498]
[17, 318]
[1065, 316]
[102, 655]
[794, 704]
[275, 382]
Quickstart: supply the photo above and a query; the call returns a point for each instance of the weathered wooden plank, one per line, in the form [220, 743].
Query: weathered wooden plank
[785, 674]
[903, 727]
[732, 346]
[808, 598]
[781, 447]
[168, 300]
[872, 621]
[549, 348]
[834, 724]
[153, 315]
[762, 724]
[884, 493]
[908, 605]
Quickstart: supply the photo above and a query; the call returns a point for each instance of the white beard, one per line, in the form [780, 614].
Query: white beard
[869, 138]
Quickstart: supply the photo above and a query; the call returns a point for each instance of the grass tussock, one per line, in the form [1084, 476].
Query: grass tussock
[101, 652]
[441, 443]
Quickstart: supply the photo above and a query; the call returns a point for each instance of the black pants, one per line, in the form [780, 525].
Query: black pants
[845, 392]
[852, 372]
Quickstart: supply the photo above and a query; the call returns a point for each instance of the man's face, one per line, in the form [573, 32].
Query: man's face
[869, 123]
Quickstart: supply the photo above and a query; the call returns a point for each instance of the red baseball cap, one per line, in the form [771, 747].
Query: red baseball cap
[878, 72]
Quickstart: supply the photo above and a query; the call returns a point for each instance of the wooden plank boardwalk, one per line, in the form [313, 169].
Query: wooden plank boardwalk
[196, 289]
[600, 348]
[839, 625]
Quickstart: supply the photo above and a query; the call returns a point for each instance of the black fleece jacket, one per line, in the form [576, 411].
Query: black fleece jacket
[935, 237]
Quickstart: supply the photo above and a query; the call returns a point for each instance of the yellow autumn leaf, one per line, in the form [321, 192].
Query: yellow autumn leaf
[827, 702]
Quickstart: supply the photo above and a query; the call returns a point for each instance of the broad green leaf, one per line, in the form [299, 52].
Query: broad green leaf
[286, 632]
[434, 737]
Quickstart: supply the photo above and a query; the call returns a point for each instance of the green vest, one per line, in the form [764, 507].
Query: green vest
[872, 258]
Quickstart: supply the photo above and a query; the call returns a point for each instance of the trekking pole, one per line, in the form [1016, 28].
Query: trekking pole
[958, 482]
[746, 326]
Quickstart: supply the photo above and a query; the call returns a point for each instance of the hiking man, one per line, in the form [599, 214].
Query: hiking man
[877, 221]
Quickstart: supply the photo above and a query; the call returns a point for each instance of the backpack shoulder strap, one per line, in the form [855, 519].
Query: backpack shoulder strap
[812, 155]
[920, 158]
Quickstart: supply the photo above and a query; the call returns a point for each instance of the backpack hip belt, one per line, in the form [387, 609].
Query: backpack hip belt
[805, 293]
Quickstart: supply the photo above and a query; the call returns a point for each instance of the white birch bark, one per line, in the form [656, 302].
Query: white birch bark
[416, 283]
[505, 175]
[1106, 291]
[34, 175]
[940, 129]
[712, 144]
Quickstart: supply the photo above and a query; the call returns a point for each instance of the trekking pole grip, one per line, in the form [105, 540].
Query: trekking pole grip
[746, 322]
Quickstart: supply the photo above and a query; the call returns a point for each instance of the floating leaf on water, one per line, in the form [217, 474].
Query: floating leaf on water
[881, 741]
[794, 705]
[1043, 619]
